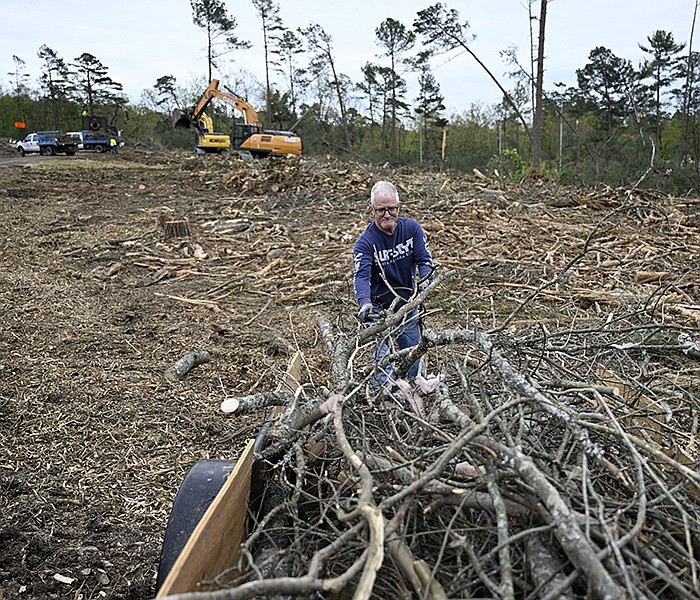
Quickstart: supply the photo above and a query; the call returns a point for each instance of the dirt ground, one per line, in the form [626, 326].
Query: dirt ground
[96, 302]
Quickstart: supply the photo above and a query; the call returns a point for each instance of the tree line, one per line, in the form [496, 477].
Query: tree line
[620, 125]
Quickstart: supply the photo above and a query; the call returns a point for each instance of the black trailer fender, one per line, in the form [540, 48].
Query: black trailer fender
[218, 494]
[198, 490]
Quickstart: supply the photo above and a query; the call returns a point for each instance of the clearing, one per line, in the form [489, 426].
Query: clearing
[96, 302]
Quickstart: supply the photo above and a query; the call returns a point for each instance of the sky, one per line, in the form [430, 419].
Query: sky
[141, 40]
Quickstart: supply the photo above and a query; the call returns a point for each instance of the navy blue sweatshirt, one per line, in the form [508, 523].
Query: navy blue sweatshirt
[398, 255]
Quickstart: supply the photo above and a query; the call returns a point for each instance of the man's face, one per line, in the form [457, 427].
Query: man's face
[385, 212]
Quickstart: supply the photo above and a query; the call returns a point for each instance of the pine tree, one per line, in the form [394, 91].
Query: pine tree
[396, 39]
[54, 79]
[21, 89]
[429, 103]
[287, 47]
[212, 16]
[93, 86]
[607, 80]
[320, 44]
[663, 68]
[442, 32]
[166, 92]
[271, 22]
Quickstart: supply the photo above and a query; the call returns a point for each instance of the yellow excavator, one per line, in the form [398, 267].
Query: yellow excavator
[208, 140]
[249, 138]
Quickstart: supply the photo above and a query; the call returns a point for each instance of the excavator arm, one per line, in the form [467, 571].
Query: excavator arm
[186, 118]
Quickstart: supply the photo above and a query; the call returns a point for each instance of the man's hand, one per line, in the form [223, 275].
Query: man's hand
[365, 312]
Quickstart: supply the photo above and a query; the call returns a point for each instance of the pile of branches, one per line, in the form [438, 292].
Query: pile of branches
[530, 463]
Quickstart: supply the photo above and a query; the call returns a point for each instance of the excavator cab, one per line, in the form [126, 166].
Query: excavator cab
[208, 140]
[242, 131]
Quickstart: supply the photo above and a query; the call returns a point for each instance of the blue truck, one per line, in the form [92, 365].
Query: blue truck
[91, 140]
[47, 142]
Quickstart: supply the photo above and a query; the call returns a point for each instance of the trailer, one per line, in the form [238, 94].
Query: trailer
[207, 523]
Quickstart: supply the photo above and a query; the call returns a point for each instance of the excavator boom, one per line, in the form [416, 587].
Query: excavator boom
[183, 118]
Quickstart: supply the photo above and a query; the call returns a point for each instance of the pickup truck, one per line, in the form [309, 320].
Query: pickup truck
[47, 142]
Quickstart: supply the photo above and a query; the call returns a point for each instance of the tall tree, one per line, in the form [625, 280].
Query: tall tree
[155, 107]
[662, 67]
[54, 80]
[166, 92]
[94, 86]
[320, 44]
[392, 86]
[538, 119]
[377, 87]
[443, 32]
[429, 103]
[689, 99]
[532, 72]
[21, 90]
[370, 87]
[268, 12]
[287, 47]
[213, 18]
[690, 77]
[373, 89]
[396, 40]
[606, 80]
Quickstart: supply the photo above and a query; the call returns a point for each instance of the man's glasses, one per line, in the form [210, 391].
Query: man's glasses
[392, 210]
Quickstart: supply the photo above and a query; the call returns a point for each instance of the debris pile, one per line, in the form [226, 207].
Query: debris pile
[533, 462]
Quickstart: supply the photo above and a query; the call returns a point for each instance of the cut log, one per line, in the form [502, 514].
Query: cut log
[186, 364]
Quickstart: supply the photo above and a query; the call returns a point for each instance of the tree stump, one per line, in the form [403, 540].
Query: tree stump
[176, 228]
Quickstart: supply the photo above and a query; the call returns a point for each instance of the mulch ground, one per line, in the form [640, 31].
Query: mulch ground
[96, 302]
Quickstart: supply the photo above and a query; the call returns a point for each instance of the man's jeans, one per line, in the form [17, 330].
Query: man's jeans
[406, 335]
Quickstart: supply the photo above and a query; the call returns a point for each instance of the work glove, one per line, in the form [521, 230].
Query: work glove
[365, 313]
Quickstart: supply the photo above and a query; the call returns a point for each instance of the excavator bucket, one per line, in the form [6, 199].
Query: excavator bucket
[181, 119]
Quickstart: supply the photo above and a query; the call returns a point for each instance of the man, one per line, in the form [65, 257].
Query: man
[389, 257]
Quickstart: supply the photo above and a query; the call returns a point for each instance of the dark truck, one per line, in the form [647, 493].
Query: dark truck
[47, 142]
